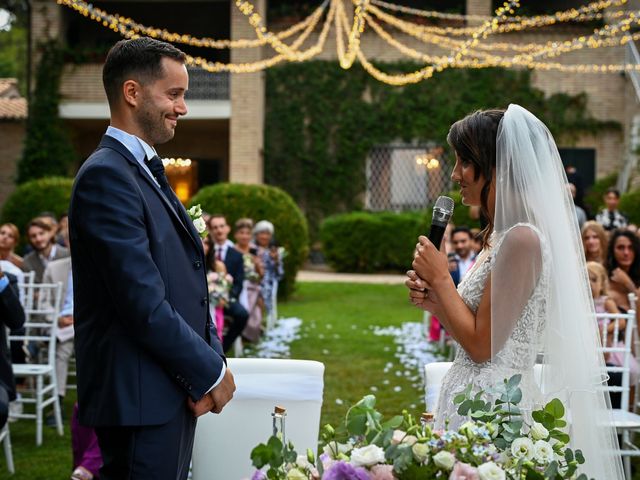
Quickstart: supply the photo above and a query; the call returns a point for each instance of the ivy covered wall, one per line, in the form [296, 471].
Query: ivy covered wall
[321, 122]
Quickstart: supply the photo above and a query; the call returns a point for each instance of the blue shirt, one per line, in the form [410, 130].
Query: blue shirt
[140, 149]
[4, 283]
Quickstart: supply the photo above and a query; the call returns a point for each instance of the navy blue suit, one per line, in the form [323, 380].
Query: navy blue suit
[144, 339]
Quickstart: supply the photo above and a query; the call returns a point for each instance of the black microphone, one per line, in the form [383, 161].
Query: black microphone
[442, 212]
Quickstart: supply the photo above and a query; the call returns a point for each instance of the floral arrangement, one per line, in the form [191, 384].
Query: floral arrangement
[496, 443]
[219, 285]
[250, 272]
[195, 214]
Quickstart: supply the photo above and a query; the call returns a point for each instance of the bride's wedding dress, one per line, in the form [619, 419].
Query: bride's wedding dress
[518, 355]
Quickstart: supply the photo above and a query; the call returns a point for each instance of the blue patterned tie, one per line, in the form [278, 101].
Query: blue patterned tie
[157, 170]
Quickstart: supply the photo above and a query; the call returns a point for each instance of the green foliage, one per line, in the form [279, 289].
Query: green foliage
[369, 242]
[593, 198]
[47, 150]
[630, 205]
[322, 121]
[50, 194]
[13, 54]
[262, 202]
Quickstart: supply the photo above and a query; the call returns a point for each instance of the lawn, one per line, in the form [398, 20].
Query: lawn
[337, 329]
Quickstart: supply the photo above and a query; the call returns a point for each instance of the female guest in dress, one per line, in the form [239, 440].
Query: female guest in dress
[253, 273]
[9, 237]
[623, 264]
[270, 254]
[594, 241]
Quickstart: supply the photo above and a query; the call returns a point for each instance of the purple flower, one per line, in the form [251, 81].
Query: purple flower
[259, 475]
[345, 471]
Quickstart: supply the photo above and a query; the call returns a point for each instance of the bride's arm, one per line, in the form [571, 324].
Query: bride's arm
[519, 263]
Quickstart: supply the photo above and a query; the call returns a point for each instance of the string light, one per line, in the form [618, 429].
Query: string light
[176, 162]
[470, 50]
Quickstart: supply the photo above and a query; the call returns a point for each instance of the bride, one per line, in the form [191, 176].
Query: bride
[527, 298]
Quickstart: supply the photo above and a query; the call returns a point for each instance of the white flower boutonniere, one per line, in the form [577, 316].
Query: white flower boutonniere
[195, 213]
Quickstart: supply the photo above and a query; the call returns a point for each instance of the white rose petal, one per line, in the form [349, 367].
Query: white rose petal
[367, 456]
[522, 448]
[302, 461]
[295, 474]
[200, 225]
[333, 449]
[420, 452]
[539, 432]
[491, 471]
[543, 452]
[444, 460]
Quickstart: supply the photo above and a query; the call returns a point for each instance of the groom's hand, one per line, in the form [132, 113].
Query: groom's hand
[223, 392]
[202, 406]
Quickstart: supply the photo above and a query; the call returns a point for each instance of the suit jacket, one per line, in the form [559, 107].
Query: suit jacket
[144, 338]
[32, 262]
[58, 271]
[12, 317]
[235, 267]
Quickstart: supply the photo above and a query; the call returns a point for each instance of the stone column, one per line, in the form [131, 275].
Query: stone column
[246, 126]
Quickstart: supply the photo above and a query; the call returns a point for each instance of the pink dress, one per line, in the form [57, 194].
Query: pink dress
[617, 358]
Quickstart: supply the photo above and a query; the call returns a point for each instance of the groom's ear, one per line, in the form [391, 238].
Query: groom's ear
[131, 92]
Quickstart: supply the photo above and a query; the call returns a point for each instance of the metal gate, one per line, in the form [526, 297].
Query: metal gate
[403, 177]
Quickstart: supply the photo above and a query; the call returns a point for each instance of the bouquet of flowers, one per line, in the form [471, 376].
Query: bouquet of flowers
[219, 286]
[250, 272]
[495, 444]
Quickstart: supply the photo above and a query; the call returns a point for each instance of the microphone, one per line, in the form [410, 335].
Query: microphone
[442, 212]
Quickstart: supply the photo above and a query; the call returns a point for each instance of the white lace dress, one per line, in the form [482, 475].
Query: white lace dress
[518, 354]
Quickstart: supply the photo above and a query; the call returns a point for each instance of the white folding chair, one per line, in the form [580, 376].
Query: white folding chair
[223, 443]
[624, 421]
[5, 438]
[272, 314]
[434, 372]
[41, 311]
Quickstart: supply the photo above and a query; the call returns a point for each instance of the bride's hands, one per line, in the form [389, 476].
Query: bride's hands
[420, 294]
[431, 265]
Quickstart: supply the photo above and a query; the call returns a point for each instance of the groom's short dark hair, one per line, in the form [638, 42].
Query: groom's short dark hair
[138, 59]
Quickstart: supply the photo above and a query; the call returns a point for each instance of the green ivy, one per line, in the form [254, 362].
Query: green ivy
[47, 149]
[322, 121]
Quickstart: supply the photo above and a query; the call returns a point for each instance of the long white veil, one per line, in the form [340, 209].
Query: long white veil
[531, 189]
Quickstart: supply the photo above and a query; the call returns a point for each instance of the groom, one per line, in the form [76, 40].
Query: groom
[148, 356]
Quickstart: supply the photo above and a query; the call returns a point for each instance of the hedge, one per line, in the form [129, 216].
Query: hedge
[48, 194]
[371, 242]
[263, 202]
[630, 206]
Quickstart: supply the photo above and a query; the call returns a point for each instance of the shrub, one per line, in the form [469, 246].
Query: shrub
[593, 198]
[263, 202]
[369, 242]
[630, 206]
[50, 194]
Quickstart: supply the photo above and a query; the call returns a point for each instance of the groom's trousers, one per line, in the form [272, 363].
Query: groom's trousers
[161, 452]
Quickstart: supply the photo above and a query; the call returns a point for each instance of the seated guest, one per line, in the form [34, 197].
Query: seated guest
[263, 234]
[465, 256]
[223, 250]
[595, 242]
[12, 317]
[41, 236]
[253, 272]
[62, 236]
[623, 266]
[59, 271]
[610, 218]
[9, 237]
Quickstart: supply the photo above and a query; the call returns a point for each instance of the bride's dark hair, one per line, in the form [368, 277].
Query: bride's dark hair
[474, 140]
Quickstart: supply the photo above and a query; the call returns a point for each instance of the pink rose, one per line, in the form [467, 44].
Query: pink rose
[464, 471]
[382, 472]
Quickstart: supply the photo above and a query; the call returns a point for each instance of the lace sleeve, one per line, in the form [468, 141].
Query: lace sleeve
[514, 276]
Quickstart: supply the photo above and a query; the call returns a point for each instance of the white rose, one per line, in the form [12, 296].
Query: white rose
[367, 456]
[538, 432]
[302, 461]
[200, 225]
[420, 452]
[334, 449]
[522, 448]
[295, 474]
[401, 437]
[467, 429]
[444, 460]
[543, 452]
[491, 471]
[195, 211]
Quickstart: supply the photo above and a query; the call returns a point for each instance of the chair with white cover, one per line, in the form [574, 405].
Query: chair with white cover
[223, 443]
[5, 438]
[624, 420]
[42, 308]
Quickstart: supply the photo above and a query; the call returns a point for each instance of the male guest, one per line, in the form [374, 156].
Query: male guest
[610, 218]
[41, 235]
[12, 317]
[224, 250]
[465, 257]
[148, 356]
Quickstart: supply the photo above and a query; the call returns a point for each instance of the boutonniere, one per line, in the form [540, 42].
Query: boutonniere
[195, 213]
